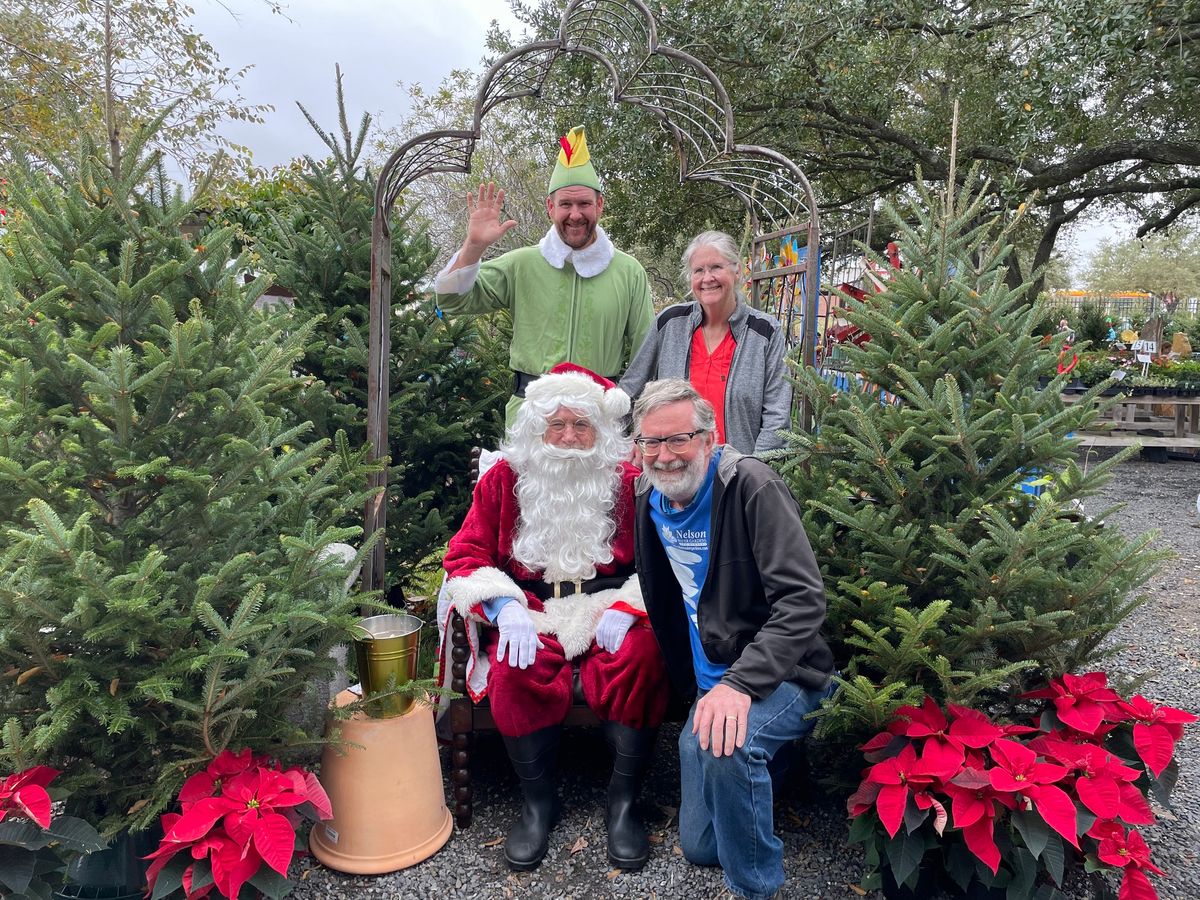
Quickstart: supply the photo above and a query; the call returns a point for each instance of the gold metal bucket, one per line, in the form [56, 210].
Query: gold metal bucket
[387, 646]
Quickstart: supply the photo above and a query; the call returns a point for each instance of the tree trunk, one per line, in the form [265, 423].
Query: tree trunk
[110, 104]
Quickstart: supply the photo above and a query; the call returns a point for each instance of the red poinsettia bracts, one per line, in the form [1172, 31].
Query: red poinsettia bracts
[1128, 851]
[239, 813]
[900, 778]
[1018, 771]
[975, 804]
[1156, 731]
[992, 775]
[24, 794]
[1081, 701]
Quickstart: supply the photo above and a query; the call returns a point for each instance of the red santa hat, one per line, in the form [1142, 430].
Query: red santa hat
[568, 382]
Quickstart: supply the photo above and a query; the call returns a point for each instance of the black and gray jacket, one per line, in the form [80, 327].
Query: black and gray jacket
[758, 397]
[762, 605]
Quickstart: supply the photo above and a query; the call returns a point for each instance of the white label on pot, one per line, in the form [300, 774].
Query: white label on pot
[331, 834]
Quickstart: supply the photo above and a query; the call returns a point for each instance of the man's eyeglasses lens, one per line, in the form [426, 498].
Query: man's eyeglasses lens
[676, 442]
[558, 426]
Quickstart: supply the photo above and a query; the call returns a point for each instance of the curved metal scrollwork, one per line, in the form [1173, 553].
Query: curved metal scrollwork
[674, 87]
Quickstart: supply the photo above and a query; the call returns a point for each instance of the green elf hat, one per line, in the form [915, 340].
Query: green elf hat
[574, 166]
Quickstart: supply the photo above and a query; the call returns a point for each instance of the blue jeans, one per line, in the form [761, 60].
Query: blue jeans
[725, 814]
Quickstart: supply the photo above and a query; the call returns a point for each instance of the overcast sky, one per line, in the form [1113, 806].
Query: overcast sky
[378, 44]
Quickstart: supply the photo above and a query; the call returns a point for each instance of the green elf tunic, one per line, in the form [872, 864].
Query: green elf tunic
[590, 307]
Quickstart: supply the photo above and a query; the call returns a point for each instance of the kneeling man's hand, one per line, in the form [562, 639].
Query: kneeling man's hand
[517, 635]
[614, 624]
[720, 720]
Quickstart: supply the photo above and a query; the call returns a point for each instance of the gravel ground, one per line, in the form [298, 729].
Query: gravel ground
[1162, 642]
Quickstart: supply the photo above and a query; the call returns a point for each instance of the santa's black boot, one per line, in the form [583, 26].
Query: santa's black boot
[628, 844]
[533, 758]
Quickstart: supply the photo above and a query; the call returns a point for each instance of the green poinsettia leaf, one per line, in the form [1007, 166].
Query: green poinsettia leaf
[170, 877]
[861, 828]
[914, 817]
[202, 875]
[961, 865]
[904, 853]
[23, 833]
[73, 833]
[1025, 869]
[271, 883]
[1054, 858]
[1164, 784]
[1033, 829]
[16, 869]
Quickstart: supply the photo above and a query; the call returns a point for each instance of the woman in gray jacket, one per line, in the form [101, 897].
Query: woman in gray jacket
[732, 354]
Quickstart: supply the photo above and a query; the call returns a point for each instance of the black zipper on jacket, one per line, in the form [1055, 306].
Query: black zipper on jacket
[713, 533]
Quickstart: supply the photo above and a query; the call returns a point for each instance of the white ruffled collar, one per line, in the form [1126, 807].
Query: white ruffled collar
[588, 262]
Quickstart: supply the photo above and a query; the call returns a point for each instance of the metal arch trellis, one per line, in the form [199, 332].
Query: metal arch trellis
[676, 88]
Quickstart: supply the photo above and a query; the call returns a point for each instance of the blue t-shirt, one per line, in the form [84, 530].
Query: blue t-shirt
[684, 536]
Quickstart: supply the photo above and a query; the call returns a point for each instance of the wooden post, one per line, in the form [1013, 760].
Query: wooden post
[375, 514]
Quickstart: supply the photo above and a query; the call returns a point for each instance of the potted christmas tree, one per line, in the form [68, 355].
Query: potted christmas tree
[164, 594]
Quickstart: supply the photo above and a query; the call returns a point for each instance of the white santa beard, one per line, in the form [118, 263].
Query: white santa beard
[565, 526]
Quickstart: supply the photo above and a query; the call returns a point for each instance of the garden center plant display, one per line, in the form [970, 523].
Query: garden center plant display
[1011, 805]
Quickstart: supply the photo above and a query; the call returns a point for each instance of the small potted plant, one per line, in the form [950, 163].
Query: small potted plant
[239, 824]
[1001, 808]
[35, 845]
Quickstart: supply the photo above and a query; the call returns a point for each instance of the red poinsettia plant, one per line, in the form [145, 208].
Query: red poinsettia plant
[36, 845]
[238, 825]
[1007, 805]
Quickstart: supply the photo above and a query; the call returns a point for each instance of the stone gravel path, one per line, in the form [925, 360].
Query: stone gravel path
[1163, 643]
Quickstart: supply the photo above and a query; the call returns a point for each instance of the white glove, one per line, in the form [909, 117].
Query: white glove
[518, 635]
[612, 628]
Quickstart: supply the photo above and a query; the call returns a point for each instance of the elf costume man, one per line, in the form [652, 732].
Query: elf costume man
[542, 570]
[573, 298]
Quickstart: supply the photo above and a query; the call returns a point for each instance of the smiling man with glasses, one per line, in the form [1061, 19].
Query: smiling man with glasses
[736, 601]
[573, 297]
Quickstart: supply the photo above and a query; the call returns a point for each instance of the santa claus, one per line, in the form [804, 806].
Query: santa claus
[543, 567]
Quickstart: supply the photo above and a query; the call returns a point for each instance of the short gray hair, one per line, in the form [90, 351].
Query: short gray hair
[721, 242]
[666, 391]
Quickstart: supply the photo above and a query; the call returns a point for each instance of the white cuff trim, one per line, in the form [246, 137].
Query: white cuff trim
[457, 282]
[486, 583]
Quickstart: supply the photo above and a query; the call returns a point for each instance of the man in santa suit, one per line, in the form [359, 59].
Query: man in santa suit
[543, 566]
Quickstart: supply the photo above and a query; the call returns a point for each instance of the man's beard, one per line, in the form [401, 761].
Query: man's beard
[678, 480]
[588, 237]
[566, 524]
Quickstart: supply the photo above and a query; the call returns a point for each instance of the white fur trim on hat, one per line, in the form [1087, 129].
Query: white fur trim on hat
[617, 402]
[565, 387]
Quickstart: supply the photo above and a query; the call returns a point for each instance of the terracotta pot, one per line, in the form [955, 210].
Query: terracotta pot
[389, 809]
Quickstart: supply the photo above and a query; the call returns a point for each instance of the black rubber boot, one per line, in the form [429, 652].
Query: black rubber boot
[628, 844]
[533, 758]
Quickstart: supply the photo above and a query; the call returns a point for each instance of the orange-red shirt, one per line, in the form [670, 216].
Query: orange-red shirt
[709, 372]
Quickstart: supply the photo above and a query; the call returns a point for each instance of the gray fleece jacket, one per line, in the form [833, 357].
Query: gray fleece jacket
[758, 397]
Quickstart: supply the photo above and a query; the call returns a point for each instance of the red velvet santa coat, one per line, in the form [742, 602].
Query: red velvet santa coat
[479, 566]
